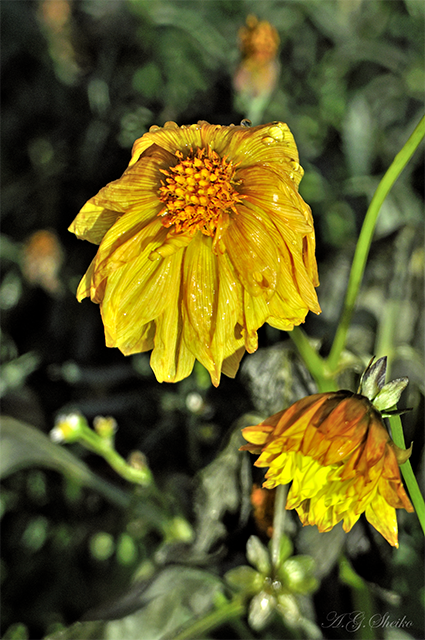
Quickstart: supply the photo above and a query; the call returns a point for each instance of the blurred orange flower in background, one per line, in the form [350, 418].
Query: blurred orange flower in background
[203, 239]
[42, 260]
[258, 71]
[335, 449]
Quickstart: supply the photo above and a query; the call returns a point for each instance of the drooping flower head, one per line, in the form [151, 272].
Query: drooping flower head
[337, 452]
[203, 239]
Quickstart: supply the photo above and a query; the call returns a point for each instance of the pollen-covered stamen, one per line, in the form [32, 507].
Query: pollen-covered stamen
[197, 191]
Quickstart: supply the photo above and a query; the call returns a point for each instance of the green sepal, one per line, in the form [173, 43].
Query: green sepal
[244, 579]
[373, 378]
[390, 394]
[297, 574]
[261, 609]
[258, 555]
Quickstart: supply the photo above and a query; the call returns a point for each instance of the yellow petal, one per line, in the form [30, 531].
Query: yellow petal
[383, 517]
[171, 360]
[254, 258]
[93, 222]
[84, 287]
[137, 294]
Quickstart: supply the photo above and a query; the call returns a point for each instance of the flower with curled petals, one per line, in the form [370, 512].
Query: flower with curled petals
[202, 240]
[335, 449]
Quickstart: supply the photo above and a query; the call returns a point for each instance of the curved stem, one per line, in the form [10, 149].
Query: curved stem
[104, 447]
[406, 470]
[365, 240]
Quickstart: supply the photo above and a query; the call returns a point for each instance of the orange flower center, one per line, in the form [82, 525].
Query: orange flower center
[197, 191]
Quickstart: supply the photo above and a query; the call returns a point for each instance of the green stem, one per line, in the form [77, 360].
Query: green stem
[314, 363]
[365, 240]
[278, 522]
[104, 447]
[233, 609]
[406, 470]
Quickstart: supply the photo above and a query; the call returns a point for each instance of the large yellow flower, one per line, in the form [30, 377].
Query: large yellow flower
[335, 449]
[203, 239]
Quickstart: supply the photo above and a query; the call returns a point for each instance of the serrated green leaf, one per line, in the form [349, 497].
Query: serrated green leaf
[23, 446]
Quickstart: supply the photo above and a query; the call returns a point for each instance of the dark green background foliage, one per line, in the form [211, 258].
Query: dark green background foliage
[73, 101]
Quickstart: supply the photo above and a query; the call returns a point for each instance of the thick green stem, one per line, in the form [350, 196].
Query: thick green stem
[278, 522]
[365, 240]
[406, 470]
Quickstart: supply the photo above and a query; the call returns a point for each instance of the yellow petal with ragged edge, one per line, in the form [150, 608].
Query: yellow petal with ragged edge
[271, 144]
[272, 193]
[200, 286]
[136, 295]
[93, 222]
[256, 312]
[227, 346]
[144, 215]
[116, 252]
[211, 302]
[254, 258]
[136, 187]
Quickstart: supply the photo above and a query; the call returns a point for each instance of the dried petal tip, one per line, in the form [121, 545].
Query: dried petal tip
[402, 455]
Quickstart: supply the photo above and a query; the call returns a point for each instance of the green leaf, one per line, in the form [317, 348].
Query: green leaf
[224, 485]
[15, 372]
[176, 596]
[23, 446]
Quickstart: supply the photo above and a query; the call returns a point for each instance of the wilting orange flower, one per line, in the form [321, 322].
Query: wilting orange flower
[203, 239]
[335, 449]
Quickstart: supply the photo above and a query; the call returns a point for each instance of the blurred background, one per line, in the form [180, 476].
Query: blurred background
[81, 80]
